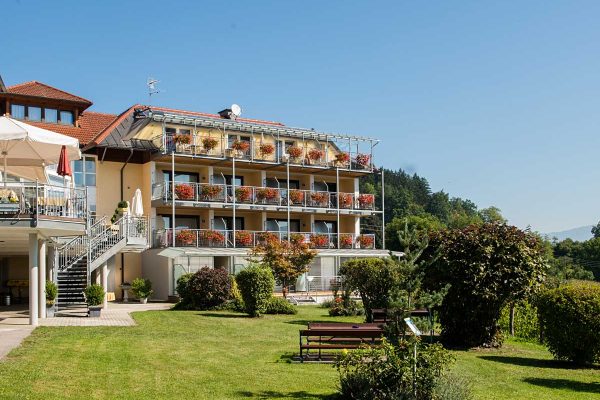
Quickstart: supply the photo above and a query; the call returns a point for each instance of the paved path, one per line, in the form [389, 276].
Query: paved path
[14, 321]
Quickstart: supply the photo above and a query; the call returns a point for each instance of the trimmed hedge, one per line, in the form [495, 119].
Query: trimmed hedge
[256, 285]
[206, 289]
[570, 321]
[279, 305]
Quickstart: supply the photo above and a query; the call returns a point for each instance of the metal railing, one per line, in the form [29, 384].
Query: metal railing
[32, 199]
[220, 193]
[248, 239]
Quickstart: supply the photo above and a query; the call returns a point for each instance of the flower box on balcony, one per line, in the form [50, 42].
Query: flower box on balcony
[296, 196]
[240, 145]
[266, 149]
[365, 242]
[209, 143]
[320, 241]
[268, 194]
[319, 199]
[210, 192]
[212, 238]
[185, 238]
[363, 160]
[182, 139]
[345, 200]
[243, 194]
[267, 237]
[342, 158]
[243, 238]
[297, 238]
[315, 154]
[366, 201]
[294, 151]
[346, 241]
[184, 191]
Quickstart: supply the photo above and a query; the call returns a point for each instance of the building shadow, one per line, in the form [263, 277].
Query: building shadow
[567, 384]
[222, 315]
[270, 394]
[536, 363]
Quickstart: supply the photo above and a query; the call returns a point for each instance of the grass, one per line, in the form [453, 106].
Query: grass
[221, 355]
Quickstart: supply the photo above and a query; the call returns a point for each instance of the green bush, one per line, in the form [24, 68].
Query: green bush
[343, 305]
[526, 321]
[374, 278]
[94, 295]
[256, 285]
[141, 288]
[570, 321]
[385, 372]
[207, 289]
[279, 305]
[51, 292]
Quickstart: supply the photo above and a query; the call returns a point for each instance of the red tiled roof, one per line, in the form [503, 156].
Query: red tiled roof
[38, 89]
[90, 125]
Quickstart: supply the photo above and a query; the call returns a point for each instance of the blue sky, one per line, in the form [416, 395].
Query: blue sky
[492, 101]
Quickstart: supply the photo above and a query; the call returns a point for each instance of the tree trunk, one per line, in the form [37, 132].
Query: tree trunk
[284, 291]
[511, 319]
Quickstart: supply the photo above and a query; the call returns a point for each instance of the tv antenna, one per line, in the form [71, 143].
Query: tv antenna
[151, 83]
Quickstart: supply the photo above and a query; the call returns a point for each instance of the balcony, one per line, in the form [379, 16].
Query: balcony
[248, 239]
[263, 196]
[257, 151]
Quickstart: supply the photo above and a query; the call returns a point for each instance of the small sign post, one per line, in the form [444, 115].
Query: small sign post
[416, 332]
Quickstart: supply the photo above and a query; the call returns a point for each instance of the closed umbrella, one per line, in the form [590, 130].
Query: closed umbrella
[137, 207]
[64, 166]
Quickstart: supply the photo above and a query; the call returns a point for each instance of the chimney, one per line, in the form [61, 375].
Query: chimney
[227, 114]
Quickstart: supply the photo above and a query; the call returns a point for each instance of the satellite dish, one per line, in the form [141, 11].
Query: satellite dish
[236, 110]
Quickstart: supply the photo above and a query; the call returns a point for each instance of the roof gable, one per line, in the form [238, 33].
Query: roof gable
[38, 89]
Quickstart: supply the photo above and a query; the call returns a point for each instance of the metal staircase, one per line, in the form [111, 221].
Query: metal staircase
[77, 258]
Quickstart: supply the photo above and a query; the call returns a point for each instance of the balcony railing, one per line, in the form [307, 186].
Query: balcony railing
[219, 193]
[249, 239]
[30, 200]
[255, 150]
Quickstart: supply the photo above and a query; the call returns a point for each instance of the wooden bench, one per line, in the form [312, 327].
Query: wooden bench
[326, 339]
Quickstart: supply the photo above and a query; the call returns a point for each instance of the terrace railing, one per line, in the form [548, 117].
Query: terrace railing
[249, 239]
[219, 193]
[31, 200]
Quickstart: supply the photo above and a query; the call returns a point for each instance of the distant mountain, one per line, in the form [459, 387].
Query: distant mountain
[579, 234]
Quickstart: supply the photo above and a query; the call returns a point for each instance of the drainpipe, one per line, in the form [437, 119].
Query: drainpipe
[122, 196]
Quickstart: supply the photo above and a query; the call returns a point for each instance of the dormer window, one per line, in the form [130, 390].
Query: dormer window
[39, 114]
[17, 111]
[34, 113]
[66, 117]
[51, 115]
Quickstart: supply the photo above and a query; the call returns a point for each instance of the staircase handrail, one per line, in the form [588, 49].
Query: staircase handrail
[75, 249]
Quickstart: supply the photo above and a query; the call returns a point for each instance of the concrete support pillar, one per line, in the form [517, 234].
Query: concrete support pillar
[33, 279]
[104, 274]
[42, 279]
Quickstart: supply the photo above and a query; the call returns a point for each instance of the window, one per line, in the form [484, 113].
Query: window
[325, 187]
[51, 115]
[218, 179]
[282, 184]
[280, 225]
[181, 222]
[84, 171]
[170, 131]
[66, 117]
[187, 177]
[34, 113]
[226, 223]
[17, 111]
[325, 227]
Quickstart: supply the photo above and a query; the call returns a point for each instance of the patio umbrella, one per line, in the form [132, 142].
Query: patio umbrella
[137, 207]
[26, 149]
[64, 166]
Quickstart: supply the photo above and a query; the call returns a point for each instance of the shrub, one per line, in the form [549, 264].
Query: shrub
[525, 320]
[208, 288]
[385, 372]
[374, 278]
[343, 305]
[256, 285]
[141, 288]
[94, 295]
[279, 305]
[236, 302]
[487, 266]
[51, 292]
[569, 317]
[185, 299]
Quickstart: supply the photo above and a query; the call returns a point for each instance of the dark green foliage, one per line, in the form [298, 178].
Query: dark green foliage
[570, 320]
[94, 295]
[374, 278]
[279, 305]
[206, 289]
[526, 320]
[142, 288]
[256, 286]
[423, 224]
[486, 266]
[51, 292]
[185, 301]
[386, 372]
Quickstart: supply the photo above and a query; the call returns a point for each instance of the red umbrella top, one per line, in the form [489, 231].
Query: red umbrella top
[64, 166]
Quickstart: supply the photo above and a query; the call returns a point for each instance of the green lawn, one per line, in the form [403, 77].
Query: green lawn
[220, 355]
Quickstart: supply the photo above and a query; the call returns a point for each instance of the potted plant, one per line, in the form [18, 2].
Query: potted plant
[342, 158]
[209, 143]
[294, 151]
[296, 196]
[243, 238]
[319, 240]
[315, 154]
[213, 237]
[122, 207]
[366, 200]
[51, 294]
[266, 149]
[346, 241]
[241, 146]
[243, 194]
[345, 200]
[319, 199]
[268, 194]
[209, 192]
[185, 237]
[365, 242]
[142, 289]
[180, 140]
[94, 297]
[184, 191]
[363, 160]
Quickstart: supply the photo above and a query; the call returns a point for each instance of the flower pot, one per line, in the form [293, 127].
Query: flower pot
[50, 310]
[143, 300]
[94, 311]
